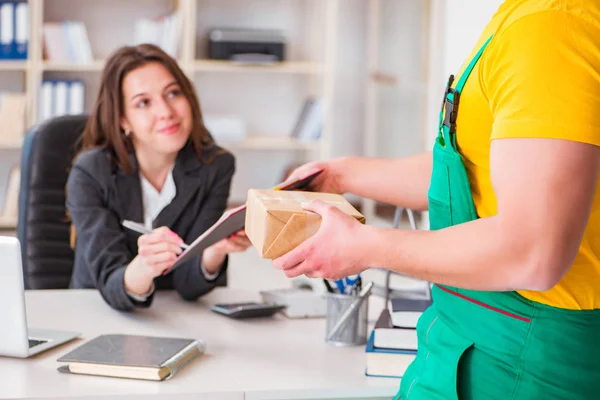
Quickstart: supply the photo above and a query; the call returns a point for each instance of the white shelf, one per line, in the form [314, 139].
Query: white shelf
[13, 65]
[286, 67]
[269, 143]
[11, 146]
[8, 223]
[95, 66]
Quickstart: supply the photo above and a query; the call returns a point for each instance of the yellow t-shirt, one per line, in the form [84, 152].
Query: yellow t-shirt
[539, 77]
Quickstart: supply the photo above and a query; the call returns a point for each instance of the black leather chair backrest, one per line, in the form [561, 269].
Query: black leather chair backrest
[43, 227]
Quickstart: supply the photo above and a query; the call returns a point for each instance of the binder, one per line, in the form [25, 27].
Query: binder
[55, 45]
[60, 98]
[6, 30]
[21, 31]
[76, 94]
[46, 100]
[82, 43]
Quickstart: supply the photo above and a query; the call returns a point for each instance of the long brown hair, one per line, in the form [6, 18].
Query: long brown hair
[103, 128]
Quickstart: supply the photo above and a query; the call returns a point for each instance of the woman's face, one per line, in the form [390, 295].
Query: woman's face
[157, 114]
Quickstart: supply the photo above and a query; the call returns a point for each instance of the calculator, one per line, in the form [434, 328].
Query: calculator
[247, 310]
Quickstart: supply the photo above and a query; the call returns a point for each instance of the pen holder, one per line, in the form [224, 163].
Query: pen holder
[353, 331]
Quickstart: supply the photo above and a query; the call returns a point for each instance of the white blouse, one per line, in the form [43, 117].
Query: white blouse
[153, 203]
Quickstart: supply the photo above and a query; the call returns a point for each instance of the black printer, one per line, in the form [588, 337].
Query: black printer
[249, 45]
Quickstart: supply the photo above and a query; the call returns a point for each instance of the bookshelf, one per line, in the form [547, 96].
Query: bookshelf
[397, 89]
[268, 97]
[9, 65]
[307, 68]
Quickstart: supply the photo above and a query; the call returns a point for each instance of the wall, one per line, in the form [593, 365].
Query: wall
[455, 27]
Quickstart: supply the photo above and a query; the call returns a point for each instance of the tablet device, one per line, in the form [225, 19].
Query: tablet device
[247, 310]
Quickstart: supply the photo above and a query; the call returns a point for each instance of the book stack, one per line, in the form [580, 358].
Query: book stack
[393, 343]
[61, 97]
[67, 42]
[14, 30]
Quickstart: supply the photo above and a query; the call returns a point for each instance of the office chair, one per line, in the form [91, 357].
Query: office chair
[43, 227]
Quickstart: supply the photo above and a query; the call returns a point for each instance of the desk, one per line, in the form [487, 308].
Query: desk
[273, 358]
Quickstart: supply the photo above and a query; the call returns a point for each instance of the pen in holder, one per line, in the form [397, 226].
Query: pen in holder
[347, 318]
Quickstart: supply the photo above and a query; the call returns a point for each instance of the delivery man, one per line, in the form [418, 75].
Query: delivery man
[511, 189]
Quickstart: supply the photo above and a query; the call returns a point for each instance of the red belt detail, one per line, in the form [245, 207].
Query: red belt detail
[484, 305]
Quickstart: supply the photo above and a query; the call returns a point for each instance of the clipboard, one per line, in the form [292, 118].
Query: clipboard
[232, 221]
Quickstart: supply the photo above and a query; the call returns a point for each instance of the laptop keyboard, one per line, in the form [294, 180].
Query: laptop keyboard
[33, 342]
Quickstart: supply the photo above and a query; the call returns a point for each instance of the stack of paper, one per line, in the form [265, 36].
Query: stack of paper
[67, 42]
[164, 32]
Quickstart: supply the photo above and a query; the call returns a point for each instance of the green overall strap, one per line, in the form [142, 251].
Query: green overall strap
[447, 128]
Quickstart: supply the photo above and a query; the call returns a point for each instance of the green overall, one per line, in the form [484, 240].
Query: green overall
[493, 345]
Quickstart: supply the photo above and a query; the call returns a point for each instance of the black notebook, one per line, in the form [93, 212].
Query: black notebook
[131, 356]
[232, 221]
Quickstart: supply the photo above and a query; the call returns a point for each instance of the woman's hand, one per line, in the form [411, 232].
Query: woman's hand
[329, 181]
[213, 256]
[157, 252]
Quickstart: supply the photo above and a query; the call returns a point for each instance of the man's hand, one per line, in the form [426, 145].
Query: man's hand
[334, 252]
[328, 181]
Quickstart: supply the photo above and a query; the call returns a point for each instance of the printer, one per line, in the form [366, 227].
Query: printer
[246, 45]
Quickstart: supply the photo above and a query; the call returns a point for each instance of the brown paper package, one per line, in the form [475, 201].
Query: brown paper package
[276, 222]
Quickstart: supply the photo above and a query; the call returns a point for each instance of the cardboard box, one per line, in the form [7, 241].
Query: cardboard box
[276, 222]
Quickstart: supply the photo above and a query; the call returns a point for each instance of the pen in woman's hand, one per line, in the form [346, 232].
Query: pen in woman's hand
[137, 227]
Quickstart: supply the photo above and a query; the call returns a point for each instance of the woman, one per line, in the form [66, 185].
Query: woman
[512, 193]
[147, 156]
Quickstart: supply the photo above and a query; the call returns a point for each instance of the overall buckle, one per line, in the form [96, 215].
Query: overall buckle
[451, 109]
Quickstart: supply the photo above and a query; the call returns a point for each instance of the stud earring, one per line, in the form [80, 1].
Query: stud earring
[127, 132]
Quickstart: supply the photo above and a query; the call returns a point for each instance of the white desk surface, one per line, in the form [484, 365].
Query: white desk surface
[272, 358]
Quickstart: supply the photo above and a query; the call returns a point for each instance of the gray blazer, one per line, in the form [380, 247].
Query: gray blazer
[100, 195]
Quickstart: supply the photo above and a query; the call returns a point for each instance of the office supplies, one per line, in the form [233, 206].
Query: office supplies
[247, 310]
[341, 287]
[7, 30]
[352, 283]
[387, 336]
[276, 222]
[349, 284]
[364, 293]
[299, 303]
[131, 356]
[390, 363]
[406, 312]
[246, 44]
[21, 30]
[137, 227]
[16, 338]
[233, 220]
[328, 286]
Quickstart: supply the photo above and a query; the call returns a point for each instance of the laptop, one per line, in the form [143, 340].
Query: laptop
[16, 339]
